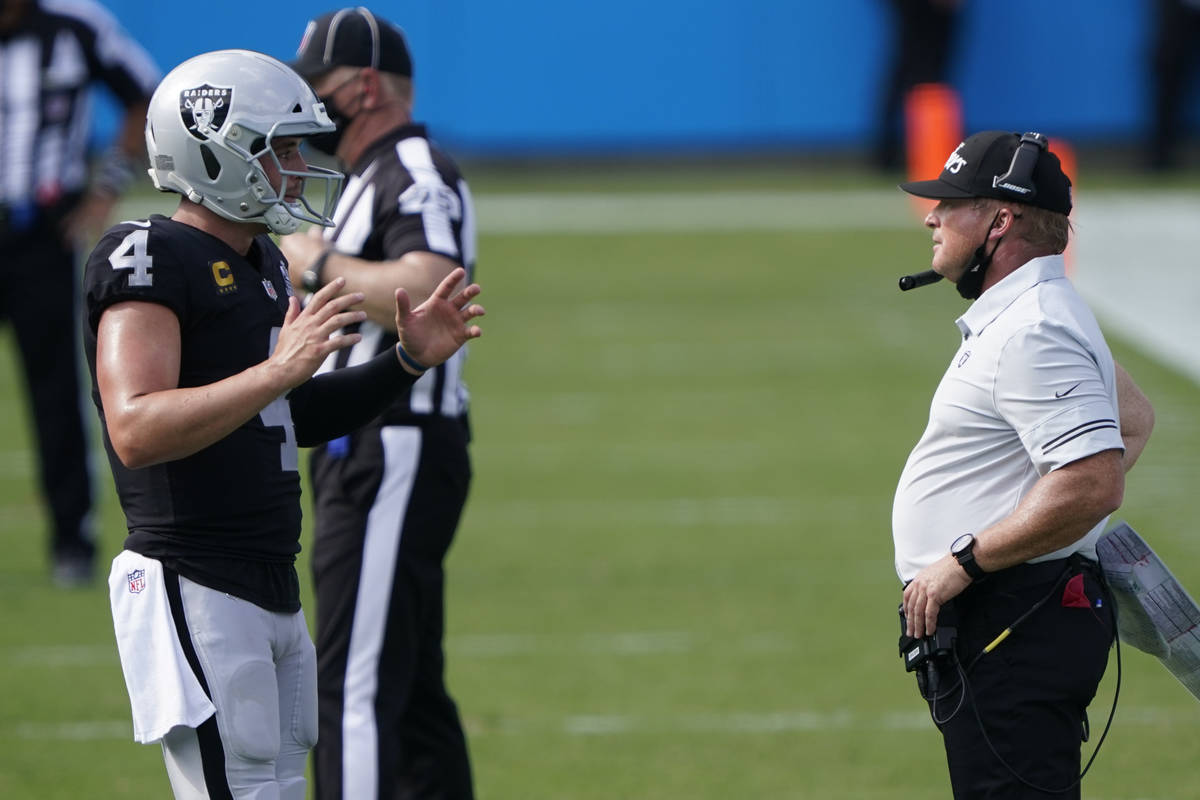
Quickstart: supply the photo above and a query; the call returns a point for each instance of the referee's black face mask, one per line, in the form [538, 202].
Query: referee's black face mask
[327, 143]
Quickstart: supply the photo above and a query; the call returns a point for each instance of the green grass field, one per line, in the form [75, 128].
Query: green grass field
[674, 579]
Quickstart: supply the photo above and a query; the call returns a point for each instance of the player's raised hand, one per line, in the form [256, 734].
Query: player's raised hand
[436, 329]
[310, 334]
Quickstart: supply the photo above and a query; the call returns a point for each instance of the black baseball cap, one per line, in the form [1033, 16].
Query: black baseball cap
[984, 166]
[351, 37]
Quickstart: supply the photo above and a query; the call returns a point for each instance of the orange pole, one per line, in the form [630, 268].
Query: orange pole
[1066, 157]
[933, 128]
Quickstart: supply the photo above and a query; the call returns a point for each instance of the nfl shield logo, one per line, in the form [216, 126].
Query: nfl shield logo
[270, 287]
[137, 581]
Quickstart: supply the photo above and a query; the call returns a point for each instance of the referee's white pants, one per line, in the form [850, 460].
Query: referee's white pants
[260, 667]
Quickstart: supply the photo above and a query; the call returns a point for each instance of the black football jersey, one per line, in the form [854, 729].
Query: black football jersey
[228, 516]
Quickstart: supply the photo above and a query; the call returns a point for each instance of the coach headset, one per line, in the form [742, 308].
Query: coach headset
[1018, 182]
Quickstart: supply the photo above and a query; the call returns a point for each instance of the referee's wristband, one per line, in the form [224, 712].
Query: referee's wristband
[409, 361]
[313, 277]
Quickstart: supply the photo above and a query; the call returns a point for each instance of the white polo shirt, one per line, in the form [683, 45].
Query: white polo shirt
[1030, 390]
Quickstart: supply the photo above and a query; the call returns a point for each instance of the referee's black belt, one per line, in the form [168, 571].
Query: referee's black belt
[1023, 576]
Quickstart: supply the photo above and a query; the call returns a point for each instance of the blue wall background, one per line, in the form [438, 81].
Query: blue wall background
[532, 76]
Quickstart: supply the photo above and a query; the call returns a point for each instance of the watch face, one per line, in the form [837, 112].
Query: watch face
[962, 543]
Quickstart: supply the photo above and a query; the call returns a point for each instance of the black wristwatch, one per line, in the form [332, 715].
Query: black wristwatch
[312, 279]
[963, 550]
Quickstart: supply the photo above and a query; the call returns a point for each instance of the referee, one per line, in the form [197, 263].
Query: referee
[387, 499]
[51, 52]
[1001, 502]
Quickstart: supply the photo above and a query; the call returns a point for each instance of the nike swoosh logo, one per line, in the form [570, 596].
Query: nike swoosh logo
[1068, 391]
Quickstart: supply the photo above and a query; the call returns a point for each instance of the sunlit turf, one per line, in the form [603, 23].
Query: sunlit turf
[674, 576]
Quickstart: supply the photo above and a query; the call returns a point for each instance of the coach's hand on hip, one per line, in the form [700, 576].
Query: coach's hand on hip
[933, 587]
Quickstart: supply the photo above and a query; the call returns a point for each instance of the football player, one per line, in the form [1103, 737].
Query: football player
[201, 362]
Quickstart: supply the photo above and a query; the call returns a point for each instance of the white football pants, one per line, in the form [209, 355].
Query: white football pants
[260, 669]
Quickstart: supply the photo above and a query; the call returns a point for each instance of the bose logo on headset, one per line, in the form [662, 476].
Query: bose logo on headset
[1019, 178]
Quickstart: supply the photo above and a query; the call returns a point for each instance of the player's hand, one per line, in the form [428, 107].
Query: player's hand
[310, 334]
[436, 329]
[933, 587]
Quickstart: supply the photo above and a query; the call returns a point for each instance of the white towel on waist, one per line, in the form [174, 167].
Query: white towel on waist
[163, 690]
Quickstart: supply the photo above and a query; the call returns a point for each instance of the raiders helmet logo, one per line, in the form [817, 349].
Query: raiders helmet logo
[204, 109]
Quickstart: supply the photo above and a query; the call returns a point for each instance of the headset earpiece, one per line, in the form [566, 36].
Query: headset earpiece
[1019, 178]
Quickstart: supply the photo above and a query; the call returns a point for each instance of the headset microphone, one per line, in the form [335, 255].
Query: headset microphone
[920, 279]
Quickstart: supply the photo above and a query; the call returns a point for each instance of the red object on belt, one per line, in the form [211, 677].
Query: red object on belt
[1073, 594]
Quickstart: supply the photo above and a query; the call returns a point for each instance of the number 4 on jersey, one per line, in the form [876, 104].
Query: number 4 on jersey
[131, 254]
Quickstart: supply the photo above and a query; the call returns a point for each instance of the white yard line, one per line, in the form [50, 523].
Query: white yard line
[807, 721]
[468, 645]
[1137, 262]
[615, 724]
[90, 731]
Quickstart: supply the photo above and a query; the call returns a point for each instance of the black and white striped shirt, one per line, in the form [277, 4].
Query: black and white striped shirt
[59, 48]
[404, 195]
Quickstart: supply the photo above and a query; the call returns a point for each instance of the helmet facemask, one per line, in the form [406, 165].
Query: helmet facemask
[280, 215]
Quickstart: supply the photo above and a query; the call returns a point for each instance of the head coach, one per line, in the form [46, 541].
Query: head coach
[1006, 619]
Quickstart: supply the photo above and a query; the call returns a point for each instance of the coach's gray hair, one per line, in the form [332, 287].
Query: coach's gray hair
[1046, 229]
[1043, 228]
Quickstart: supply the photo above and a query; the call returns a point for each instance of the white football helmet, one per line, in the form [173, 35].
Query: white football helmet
[211, 123]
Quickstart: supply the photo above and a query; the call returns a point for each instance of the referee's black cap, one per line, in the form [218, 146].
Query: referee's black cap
[1002, 165]
[352, 37]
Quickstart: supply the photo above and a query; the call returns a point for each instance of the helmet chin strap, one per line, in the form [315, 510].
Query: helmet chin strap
[280, 220]
[970, 285]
